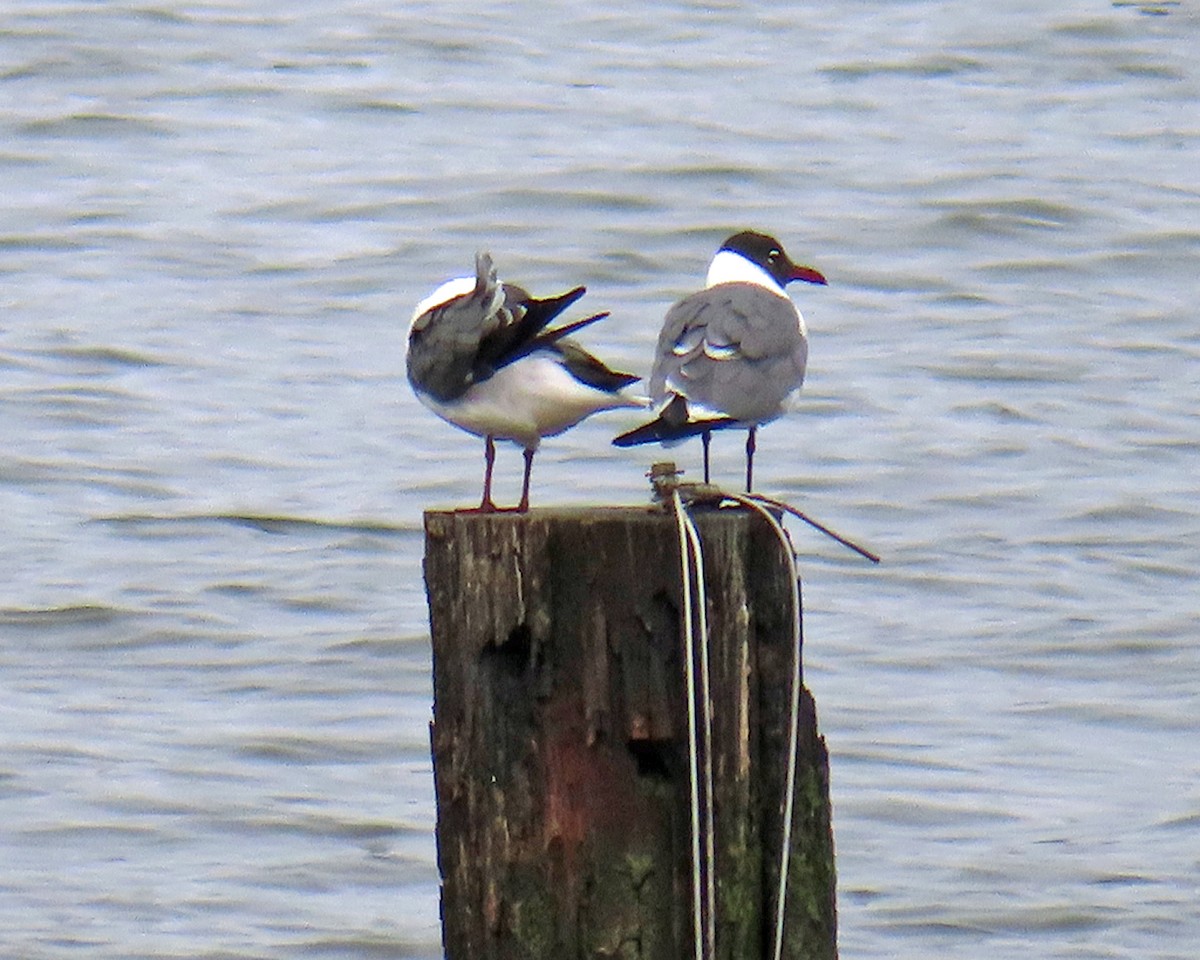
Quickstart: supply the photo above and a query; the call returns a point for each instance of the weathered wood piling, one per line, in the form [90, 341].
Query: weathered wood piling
[560, 742]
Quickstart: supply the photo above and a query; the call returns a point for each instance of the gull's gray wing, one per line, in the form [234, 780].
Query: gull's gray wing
[444, 343]
[466, 339]
[734, 348]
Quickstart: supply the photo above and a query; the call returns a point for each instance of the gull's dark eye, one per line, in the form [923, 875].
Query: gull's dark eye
[773, 255]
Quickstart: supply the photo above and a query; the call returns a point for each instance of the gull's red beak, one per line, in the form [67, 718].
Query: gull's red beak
[807, 274]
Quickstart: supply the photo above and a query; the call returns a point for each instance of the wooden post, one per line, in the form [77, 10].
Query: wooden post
[560, 747]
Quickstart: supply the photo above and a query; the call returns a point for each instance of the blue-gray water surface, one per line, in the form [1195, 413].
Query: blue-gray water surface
[215, 219]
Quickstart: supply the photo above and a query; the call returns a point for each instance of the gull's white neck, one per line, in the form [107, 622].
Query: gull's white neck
[730, 267]
[458, 287]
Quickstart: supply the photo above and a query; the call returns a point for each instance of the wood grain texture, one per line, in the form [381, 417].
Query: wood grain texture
[559, 738]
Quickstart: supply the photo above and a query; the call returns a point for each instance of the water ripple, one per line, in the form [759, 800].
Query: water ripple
[213, 624]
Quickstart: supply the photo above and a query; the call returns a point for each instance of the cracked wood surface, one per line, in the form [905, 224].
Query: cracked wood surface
[559, 738]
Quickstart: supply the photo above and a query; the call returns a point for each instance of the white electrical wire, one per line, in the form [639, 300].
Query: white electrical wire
[699, 708]
[683, 524]
[701, 607]
[789, 803]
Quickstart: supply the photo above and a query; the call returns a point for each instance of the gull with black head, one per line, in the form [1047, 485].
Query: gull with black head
[732, 354]
[481, 356]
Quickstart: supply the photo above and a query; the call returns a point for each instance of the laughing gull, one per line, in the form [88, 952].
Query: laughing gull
[481, 357]
[729, 355]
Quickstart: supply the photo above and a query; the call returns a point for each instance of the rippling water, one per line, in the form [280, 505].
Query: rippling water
[213, 649]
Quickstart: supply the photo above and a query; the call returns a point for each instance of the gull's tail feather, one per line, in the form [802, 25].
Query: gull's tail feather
[672, 425]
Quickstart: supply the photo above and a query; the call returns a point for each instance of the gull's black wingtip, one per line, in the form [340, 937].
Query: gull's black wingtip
[651, 432]
[667, 429]
[672, 424]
